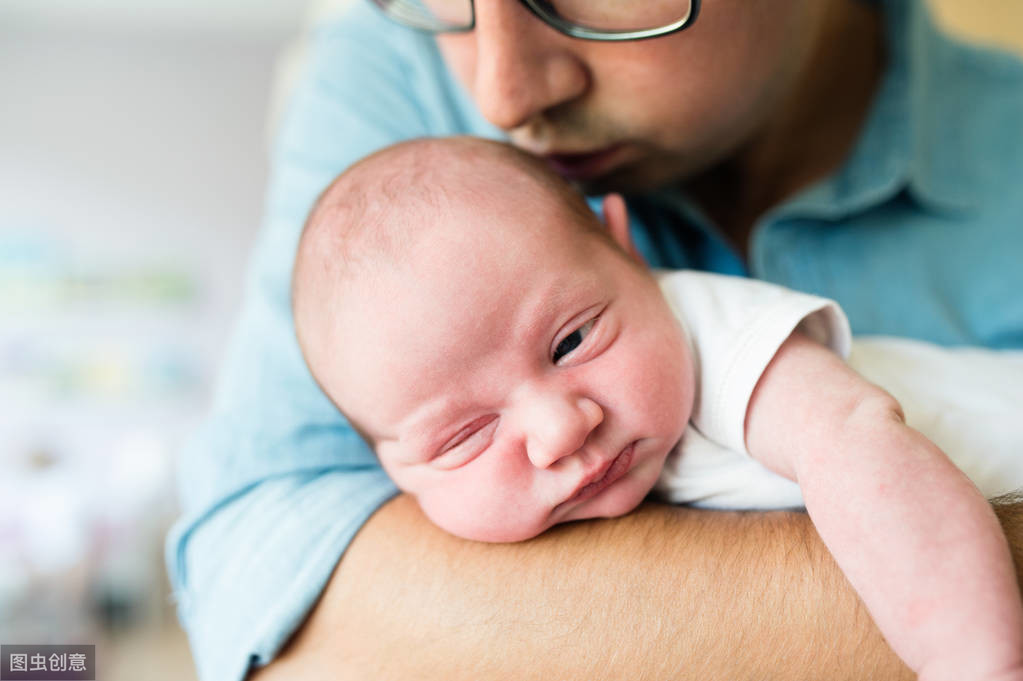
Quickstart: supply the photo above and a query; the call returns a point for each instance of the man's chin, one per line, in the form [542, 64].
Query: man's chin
[601, 186]
[620, 181]
[629, 168]
[631, 179]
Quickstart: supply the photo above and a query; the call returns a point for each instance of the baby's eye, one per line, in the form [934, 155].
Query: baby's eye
[467, 443]
[572, 340]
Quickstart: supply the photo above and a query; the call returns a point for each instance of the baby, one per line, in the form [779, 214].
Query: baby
[515, 366]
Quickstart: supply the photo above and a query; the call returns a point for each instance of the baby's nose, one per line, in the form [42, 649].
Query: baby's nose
[560, 427]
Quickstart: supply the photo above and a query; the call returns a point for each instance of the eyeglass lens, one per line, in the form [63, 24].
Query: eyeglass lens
[600, 15]
[432, 15]
[618, 15]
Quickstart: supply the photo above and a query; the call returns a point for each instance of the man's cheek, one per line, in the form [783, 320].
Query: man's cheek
[459, 53]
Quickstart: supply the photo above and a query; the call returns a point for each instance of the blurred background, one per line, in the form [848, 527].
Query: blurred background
[133, 138]
[132, 162]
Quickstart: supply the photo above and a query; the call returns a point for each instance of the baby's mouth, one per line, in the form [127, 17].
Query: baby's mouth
[618, 467]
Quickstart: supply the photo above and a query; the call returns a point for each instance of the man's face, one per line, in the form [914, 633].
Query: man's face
[634, 116]
[514, 378]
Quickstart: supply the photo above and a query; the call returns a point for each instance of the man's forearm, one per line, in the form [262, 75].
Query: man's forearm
[664, 593]
[1009, 509]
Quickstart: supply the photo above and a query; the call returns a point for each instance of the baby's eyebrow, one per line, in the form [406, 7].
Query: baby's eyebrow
[538, 318]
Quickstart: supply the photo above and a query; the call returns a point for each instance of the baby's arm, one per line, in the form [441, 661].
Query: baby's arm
[915, 538]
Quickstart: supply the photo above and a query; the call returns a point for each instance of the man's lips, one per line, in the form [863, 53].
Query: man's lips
[583, 166]
[618, 467]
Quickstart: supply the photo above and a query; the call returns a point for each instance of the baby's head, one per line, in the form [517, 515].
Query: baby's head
[509, 357]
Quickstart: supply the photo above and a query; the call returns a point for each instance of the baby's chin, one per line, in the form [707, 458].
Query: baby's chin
[621, 498]
[469, 526]
[611, 507]
[496, 535]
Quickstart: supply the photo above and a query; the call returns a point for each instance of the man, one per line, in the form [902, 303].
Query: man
[836, 146]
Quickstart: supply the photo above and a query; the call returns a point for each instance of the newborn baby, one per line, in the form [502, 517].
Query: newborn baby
[515, 366]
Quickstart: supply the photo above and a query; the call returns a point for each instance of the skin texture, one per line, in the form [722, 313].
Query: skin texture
[529, 360]
[495, 446]
[723, 107]
[571, 96]
[910, 531]
[428, 605]
[678, 593]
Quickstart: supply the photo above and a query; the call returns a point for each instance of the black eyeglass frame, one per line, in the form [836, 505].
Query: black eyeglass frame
[544, 12]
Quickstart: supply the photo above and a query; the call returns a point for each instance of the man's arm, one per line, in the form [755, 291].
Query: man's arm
[663, 593]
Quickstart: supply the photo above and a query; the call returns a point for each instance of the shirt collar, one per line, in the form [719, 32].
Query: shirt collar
[910, 139]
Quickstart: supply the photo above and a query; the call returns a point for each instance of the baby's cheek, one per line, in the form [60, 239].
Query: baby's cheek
[482, 507]
[451, 509]
[686, 389]
[668, 382]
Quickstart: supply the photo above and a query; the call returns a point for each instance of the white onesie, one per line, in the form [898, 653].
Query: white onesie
[967, 401]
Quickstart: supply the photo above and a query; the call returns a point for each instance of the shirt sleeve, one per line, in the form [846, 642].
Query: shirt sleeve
[735, 326]
[275, 484]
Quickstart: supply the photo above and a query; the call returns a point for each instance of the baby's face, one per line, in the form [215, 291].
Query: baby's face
[514, 378]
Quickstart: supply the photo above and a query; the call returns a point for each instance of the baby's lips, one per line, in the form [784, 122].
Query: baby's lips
[606, 476]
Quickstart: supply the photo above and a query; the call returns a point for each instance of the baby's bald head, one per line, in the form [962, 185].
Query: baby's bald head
[377, 214]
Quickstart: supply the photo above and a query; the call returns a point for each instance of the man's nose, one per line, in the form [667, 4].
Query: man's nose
[558, 425]
[523, 66]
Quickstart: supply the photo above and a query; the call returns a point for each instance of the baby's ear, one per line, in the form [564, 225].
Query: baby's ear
[616, 219]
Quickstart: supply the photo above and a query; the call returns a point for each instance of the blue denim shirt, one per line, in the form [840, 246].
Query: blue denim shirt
[919, 234]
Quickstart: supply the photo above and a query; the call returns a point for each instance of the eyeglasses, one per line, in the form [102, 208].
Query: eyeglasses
[587, 19]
